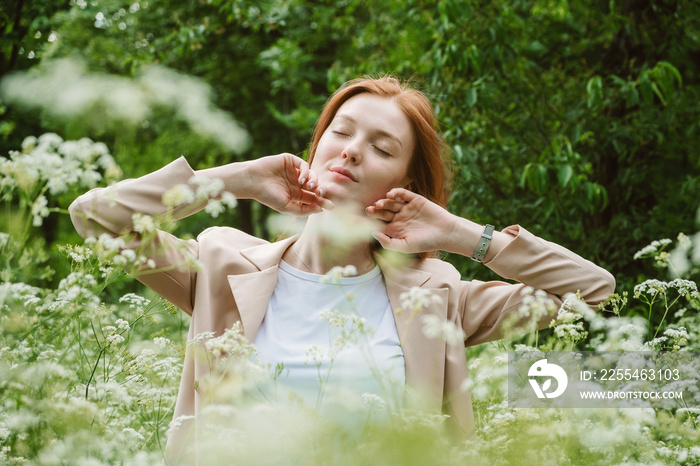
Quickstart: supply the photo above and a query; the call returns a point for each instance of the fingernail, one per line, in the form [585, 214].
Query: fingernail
[374, 236]
[320, 192]
[303, 180]
[311, 186]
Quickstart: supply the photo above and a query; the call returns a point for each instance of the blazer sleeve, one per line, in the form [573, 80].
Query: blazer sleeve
[110, 210]
[534, 262]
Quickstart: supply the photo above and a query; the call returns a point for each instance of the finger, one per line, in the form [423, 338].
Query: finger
[301, 168]
[390, 243]
[324, 203]
[307, 209]
[303, 175]
[389, 204]
[311, 183]
[379, 214]
[308, 198]
[401, 194]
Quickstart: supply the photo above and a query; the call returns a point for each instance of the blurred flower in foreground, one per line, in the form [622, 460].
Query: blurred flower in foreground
[65, 88]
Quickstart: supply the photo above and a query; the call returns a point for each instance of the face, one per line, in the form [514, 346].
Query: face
[365, 151]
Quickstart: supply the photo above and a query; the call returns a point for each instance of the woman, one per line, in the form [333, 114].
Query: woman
[376, 153]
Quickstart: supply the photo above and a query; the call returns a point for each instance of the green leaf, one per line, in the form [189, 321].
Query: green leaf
[564, 175]
[471, 96]
[658, 93]
[594, 90]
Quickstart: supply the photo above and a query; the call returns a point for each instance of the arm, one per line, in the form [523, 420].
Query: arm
[110, 210]
[416, 224]
[273, 180]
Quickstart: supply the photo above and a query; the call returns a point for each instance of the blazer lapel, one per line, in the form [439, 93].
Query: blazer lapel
[424, 357]
[252, 291]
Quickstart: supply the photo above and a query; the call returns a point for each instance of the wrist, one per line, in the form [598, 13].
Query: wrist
[464, 232]
[237, 178]
[466, 237]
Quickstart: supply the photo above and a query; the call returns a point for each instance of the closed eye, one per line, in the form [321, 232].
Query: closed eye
[339, 133]
[382, 151]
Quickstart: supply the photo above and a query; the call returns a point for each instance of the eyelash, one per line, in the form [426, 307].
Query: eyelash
[381, 151]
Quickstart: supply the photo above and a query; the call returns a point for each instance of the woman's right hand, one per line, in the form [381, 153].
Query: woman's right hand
[286, 184]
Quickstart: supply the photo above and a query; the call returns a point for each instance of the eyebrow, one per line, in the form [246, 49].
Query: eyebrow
[381, 132]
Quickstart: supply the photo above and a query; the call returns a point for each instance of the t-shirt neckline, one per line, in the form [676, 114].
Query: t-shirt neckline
[318, 278]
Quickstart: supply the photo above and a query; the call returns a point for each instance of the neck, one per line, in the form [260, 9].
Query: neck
[331, 239]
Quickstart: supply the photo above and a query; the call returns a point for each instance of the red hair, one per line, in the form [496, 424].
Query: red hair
[427, 170]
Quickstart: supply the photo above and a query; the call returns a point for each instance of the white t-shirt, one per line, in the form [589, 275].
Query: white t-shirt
[306, 320]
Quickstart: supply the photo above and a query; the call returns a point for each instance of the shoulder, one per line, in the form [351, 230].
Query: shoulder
[227, 236]
[439, 269]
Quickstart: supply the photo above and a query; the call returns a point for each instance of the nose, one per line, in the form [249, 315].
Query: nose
[351, 152]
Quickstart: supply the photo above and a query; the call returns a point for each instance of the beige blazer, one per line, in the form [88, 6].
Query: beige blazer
[239, 274]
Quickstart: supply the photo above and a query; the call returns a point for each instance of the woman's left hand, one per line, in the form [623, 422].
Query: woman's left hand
[414, 224]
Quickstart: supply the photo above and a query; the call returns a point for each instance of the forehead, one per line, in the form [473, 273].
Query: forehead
[376, 112]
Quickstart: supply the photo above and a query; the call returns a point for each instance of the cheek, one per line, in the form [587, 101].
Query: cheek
[382, 184]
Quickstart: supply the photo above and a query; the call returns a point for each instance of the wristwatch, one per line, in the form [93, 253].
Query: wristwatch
[484, 243]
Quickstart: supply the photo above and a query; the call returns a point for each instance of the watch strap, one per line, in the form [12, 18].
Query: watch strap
[484, 243]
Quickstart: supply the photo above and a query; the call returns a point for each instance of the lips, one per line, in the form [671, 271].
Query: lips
[344, 171]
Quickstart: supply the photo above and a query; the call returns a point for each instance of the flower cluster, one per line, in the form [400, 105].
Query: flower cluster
[655, 287]
[654, 249]
[48, 164]
[416, 299]
[231, 344]
[435, 327]
[200, 189]
[335, 274]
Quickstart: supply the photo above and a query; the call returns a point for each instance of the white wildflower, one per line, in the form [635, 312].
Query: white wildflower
[119, 260]
[535, 304]
[177, 196]
[122, 324]
[416, 299]
[128, 254]
[315, 354]
[214, 208]
[655, 287]
[652, 248]
[143, 223]
[207, 187]
[79, 258]
[40, 211]
[29, 144]
[335, 274]
[231, 343]
[228, 199]
[134, 434]
[161, 342]
[135, 301]
[571, 331]
[142, 361]
[434, 327]
[114, 339]
[177, 423]
[168, 368]
[200, 338]
[50, 140]
[373, 402]
[109, 243]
